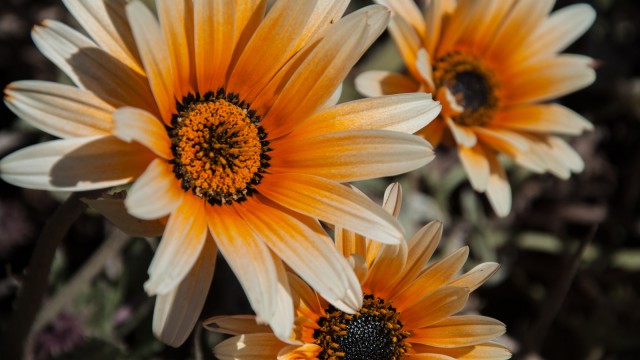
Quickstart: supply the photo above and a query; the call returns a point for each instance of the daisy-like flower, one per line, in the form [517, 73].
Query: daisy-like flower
[224, 119]
[493, 64]
[407, 310]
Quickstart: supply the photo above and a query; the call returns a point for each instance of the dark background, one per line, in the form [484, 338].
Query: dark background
[544, 245]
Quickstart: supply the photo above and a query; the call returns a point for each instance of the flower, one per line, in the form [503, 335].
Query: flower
[225, 121]
[407, 308]
[492, 64]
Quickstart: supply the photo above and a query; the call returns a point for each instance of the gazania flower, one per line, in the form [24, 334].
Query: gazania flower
[407, 310]
[224, 119]
[493, 64]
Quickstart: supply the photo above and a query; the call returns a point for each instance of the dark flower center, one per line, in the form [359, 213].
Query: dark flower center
[373, 333]
[219, 148]
[473, 86]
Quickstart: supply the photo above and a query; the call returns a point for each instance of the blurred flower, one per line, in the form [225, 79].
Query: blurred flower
[407, 308]
[225, 120]
[491, 64]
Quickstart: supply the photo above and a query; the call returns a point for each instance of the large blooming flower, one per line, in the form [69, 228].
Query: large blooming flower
[407, 309]
[224, 119]
[492, 64]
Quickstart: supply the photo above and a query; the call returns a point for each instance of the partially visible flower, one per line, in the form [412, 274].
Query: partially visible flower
[407, 310]
[492, 64]
[225, 121]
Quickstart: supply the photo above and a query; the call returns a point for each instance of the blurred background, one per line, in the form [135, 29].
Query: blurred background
[569, 287]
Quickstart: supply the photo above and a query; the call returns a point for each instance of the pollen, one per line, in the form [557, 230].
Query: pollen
[372, 333]
[219, 147]
[472, 84]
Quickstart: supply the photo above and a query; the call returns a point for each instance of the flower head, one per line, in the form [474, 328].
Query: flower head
[407, 310]
[224, 119]
[492, 64]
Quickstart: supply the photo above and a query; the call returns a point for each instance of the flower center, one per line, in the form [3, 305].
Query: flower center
[473, 86]
[373, 333]
[219, 147]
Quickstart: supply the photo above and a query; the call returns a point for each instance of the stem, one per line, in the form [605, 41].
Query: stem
[34, 287]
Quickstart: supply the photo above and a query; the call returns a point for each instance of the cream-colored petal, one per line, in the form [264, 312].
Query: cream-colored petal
[155, 57]
[351, 155]
[331, 202]
[457, 331]
[498, 189]
[556, 32]
[235, 325]
[409, 11]
[214, 42]
[131, 124]
[406, 113]
[441, 303]
[82, 164]
[176, 313]
[176, 20]
[463, 135]
[312, 257]
[423, 65]
[392, 199]
[282, 321]
[407, 41]
[548, 79]
[542, 118]
[502, 140]
[566, 154]
[333, 100]
[92, 68]
[522, 20]
[486, 351]
[436, 275]
[106, 23]
[249, 258]
[180, 247]
[476, 165]
[249, 346]
[155, 193]
[379, 83]
[288, 26]
[476, 276]
[115, 211]
[322, 70]
[60, 110]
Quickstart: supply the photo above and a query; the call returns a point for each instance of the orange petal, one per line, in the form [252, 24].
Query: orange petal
[441, 303]
[542, 118]
[131, 124]
[457, 331]
[476, 276]
[155, 193]
[249, 346]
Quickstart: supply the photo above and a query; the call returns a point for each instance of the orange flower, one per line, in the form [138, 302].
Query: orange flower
[491, 64]
[224, 119]
[407, 309]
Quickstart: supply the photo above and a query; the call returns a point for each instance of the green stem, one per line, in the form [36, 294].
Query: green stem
[36, 279]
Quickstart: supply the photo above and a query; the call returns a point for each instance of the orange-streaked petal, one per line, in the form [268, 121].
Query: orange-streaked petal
[476, 165]
[60, 110]
[249, 346]
[385, 269]
[457, 331]
[235, 325]
[312, 257]
[176, 313]
[81, 164]
[331, 202]
[351, 155]
[484, 351]
[476, 276]
[214, 42]
[155, 56]
[498, 189]
[379, 83]
[408, 42]
[92, 68]
[442, 303]
[406, 113]
[176, 20]
[542, 118]
[316, 78]
[180, 247]
[106, 23]
[155, 193]
[433, 12]
[248, 257]
[436, 275]
[456, 24]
